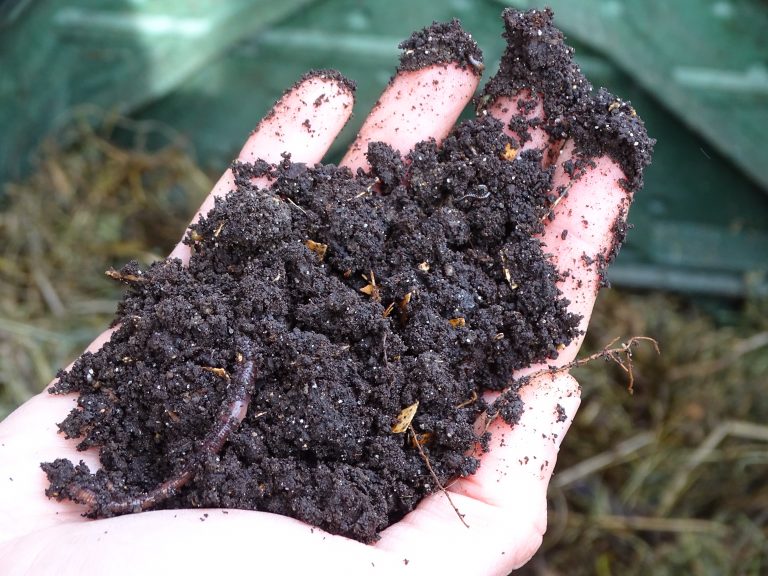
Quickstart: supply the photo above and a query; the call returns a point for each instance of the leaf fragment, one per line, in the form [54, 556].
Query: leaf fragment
[457, 322]
[509, 152]
[371, 289]
[317, 247]
[405, 418]
[220, 372]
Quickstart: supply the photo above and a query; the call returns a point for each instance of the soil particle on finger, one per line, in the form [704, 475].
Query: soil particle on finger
[538, 61]
[318, 313]
[441, 43]
[327, 75]
[561, 415]
[334, 78]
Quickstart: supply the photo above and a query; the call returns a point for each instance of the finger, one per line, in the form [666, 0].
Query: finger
[304, 122]
[522, 116]
[504, 502]
[543, 91]
[586, 230]
[591, 205]
[415, 106]
[585, 225]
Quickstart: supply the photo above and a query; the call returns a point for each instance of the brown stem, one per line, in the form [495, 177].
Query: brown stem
[432, 473]
[621, 355]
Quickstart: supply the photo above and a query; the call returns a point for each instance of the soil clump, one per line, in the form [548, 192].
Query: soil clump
[441, 43]
[269, 373]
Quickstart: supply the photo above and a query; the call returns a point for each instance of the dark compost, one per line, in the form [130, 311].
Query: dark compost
[268, 373]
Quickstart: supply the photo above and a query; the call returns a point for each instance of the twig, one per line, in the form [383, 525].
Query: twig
[229, 418]
[440, 485]
[653, 524]
[292, 203]
[127, 278]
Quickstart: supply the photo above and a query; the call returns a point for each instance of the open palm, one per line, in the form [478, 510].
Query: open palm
[504, 504]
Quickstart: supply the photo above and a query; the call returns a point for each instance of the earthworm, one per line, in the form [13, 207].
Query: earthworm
[228, 419]
[480, 188]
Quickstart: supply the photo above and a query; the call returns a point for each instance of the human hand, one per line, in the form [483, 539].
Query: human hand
[504, 503]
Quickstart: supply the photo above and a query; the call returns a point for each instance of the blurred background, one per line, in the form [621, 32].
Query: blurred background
[116, 117]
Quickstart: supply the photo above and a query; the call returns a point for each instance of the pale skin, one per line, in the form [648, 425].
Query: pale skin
[504, 504]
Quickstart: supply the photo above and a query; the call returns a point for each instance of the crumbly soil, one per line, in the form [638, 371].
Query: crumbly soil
[539, 63]
[441, 43]
[268, 374]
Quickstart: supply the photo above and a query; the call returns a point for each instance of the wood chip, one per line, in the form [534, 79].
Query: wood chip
[371, 289]
[115, 275]
[457, 322]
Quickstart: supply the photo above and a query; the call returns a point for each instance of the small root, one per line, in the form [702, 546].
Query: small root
[229, 418]
[417, 444]
[621, 355]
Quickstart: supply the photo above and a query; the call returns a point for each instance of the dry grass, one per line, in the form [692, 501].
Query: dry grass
[670, 480]
[89, 205]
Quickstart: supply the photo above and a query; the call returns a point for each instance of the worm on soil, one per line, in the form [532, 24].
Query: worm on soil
[229, 418]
